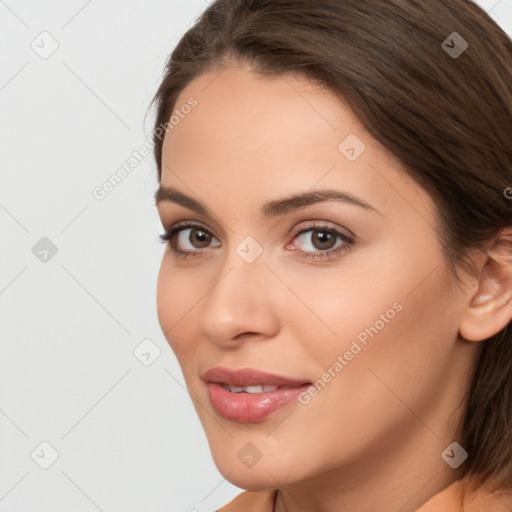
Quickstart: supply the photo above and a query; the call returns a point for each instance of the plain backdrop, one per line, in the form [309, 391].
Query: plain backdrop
[93, 411]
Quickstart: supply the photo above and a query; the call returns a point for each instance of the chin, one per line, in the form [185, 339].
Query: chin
[267, 473]
[252, 479]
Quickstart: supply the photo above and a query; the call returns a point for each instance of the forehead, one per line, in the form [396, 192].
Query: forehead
[236, 102]
[265, 134]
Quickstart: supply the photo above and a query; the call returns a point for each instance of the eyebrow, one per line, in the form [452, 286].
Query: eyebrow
[272, 208]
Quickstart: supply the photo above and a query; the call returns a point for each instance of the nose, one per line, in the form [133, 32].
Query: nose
[240, 305]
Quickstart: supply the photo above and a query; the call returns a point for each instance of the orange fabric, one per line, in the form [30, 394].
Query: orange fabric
[454, 498]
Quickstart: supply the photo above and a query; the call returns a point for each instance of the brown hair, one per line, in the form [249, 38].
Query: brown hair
[447, 117]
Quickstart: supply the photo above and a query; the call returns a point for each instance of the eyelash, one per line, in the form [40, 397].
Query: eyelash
[170, 234]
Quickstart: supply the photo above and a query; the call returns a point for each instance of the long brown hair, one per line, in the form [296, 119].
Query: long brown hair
[443, 108]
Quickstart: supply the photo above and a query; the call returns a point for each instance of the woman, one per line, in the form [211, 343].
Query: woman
[335, 189]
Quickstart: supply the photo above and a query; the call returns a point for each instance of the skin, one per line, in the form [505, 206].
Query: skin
[372, 438]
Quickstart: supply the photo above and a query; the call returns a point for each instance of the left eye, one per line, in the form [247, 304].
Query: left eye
[321, 239]
[320, 242]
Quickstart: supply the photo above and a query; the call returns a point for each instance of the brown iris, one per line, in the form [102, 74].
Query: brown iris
[323, 239]
[199, 236]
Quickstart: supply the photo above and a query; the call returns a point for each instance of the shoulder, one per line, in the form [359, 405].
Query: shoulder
[461, 496]
[258, 501]
[485, 499]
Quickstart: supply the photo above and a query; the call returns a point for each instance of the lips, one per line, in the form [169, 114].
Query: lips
[248, 396]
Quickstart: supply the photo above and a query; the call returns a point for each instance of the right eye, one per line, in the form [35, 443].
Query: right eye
[188, 239]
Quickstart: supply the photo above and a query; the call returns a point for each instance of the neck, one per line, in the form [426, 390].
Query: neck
[401, 478]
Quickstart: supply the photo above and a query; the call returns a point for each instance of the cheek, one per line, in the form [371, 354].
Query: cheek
[176, 297]
[390, 301]
[398, 344]
[177, 300]
[337, 307]
[165, 299]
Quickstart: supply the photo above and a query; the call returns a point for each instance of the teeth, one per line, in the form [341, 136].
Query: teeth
[253, 389]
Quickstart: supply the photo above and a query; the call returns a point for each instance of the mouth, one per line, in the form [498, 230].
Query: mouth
[250, 396]
[258, 388]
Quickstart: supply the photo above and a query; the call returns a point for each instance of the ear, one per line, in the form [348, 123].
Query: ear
[489, 310]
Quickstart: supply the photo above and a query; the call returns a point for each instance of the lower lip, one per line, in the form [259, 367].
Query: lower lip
[250, 407]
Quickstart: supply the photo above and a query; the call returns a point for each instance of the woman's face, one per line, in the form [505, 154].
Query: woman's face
[351, 293]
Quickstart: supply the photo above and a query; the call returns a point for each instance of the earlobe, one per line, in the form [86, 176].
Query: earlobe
[490, 308]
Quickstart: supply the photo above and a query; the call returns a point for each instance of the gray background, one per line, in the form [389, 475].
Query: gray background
[123, 426]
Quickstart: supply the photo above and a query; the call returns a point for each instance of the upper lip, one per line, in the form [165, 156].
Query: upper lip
[248, 377]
